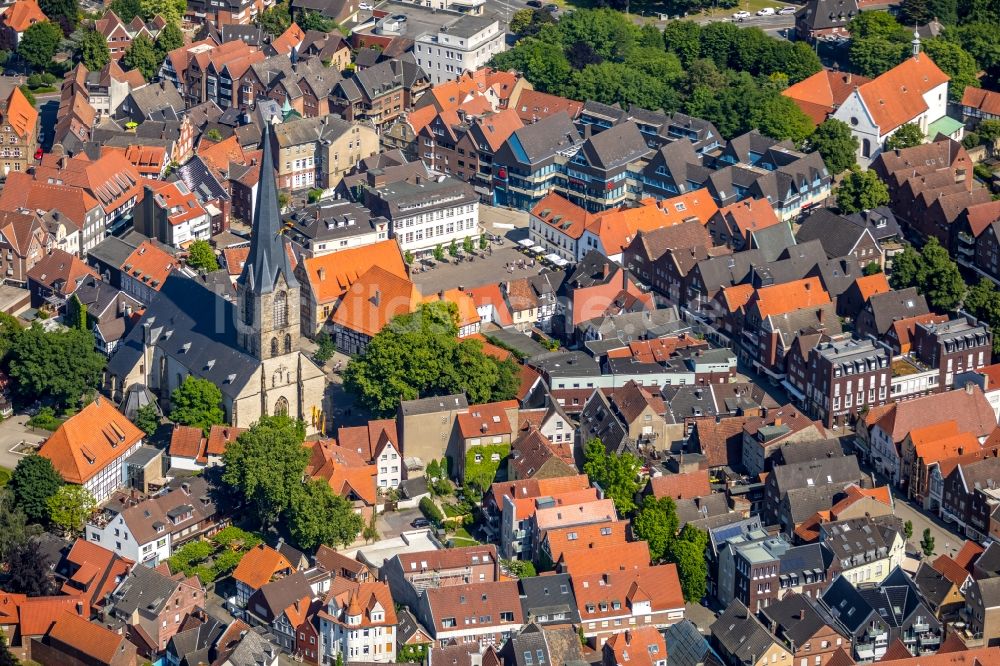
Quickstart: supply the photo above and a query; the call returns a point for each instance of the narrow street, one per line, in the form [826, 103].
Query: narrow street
[946, 540]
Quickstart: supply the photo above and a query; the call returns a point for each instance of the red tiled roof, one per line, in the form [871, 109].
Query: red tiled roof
[533, 106]
[870, 285]
[93, 640]
[259, 565]
[150, 265]
[331, 275]
[986, 101]
[89, 441]
[681, 486]
[824, 91]
[22, 15]
[781, 299]
[896, 97]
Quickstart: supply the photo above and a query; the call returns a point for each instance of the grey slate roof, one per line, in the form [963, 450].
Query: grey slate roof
[547, 596]
[255, 649]
[772, 241]
[897, 304]
[615, 147]
[796, 618]
[838, 235]
[199, 179]
[529, 640]
[826, 471]
[687, 647]
[739, 633]
[540, 141]
[932, 584]
[824, 14]
[195, 325]
[433, 404]
[880, 221]
[268, 256]
[192, 644]
[155, 97]
[144, 590]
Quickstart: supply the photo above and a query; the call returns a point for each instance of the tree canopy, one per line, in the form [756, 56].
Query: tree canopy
[70, 507]
[932, 272]
[60, 364]
[30, 570]
[32, 483]
[956, 62]
[861, 190]
[65, 13]
[94, 51]
[318, 516]
[599, 54]
[836, 144]
[201, 256]
[616, 474]
[170, 38]
[983, 302]
[147, 419]
[39, 43]
[265, 465]
[907, 135]
[170, 10]
[275, 20]
[657, 524]
[197, 402]
[419, 355]
[143, 55]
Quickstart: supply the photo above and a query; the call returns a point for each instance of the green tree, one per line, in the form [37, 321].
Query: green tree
[907, 136]
[318, 516]
[418, 355]
[484, 242]
[861, 190]
[370, 533]
[610, 33]
[835, 142]
[39, 43]
[170, 38]
[927, 543]
[325, 348]
[453, 248]
[70, 507]
[312, 20]
[142, 55]
[7, 657]
[275, 20]
[544, 63]
[867, 25]
[520, 568]
[170, 10]
[197, 402]
[688, 553]
[979, 40]
[933, 273]
[872, 268]
[908, 529]
[467, 245]
[616, 474]
[14, 528]
[876, 55]
[30, 570]
[265, 465]
[32, 483]
[682, 38]
[65, 13]
[61, 365]
[915, 12]
[657, 524]
[147, 419]
[989, 130]
[956, 62]
[521, 20]
[94, 50]
[408, 258]
[10, 328]
[76, 314]
[201, 256]
[781, 118]
[215, 135]
[438, 252]
[126, 9]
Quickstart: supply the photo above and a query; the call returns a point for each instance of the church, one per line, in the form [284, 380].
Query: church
[249, 349]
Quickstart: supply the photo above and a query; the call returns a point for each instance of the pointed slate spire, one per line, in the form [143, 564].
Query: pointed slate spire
[268, 256]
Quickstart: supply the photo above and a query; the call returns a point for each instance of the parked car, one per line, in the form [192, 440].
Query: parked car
[420, 522]
[765, 11]
[537, 4]
[366, 6]
[553, 8]
[786, 10]
[739, 16]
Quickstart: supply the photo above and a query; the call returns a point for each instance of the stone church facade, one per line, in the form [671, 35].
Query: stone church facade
[249, 349]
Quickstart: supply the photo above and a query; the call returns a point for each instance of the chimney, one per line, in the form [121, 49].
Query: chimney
[777, 422]
[628, 634]
[968, 387]
[606, 270]
[377, 298]
[848, 80]
[586, 131]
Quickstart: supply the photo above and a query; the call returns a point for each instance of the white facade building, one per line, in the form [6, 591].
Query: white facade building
[463, 46]
[915, 91]
[428, 212]
[389, 466]
[360, 625]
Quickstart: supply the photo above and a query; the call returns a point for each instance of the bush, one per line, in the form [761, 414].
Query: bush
[315, 194]
[45, 419]
[225, 562]
[431, 511]
[231, 536]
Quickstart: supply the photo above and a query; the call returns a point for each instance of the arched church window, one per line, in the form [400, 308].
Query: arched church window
[274, 346]
[281, 407]
[248, 310]
[288, 343]
[281, 309]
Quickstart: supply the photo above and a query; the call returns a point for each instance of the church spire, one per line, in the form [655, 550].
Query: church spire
[268, 258]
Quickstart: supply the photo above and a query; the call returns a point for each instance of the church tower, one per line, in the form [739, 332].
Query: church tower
[268, 312]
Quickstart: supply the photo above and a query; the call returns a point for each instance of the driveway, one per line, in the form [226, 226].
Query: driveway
[393, 523]
[13, 431]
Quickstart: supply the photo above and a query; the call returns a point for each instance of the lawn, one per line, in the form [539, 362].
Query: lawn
[461, 537]
[4, 476]
[452, 511]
